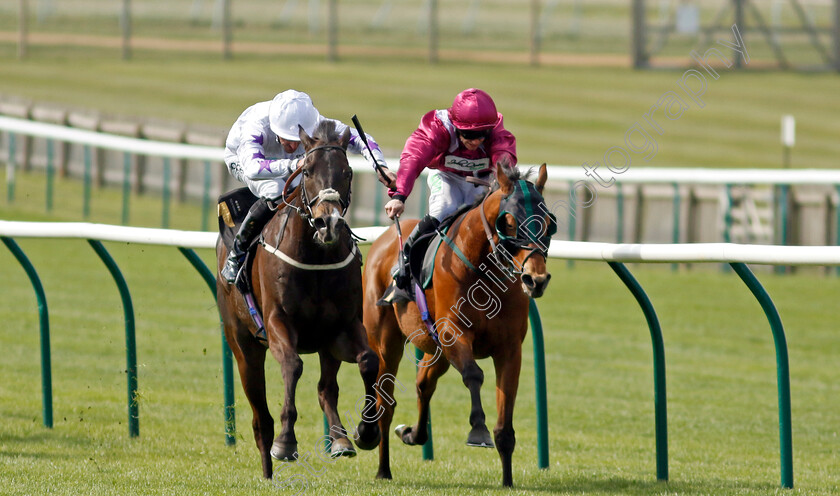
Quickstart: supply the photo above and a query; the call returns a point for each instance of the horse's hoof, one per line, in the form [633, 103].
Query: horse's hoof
[342, 447]
[407, 435]
[284, 452]
[367, 436]
[404, 433]
[479, 437]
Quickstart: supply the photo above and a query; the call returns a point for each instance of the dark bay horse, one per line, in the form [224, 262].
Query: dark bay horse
[306, 278]
[478, 306]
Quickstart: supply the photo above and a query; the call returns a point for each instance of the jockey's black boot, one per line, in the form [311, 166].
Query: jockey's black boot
[257, 217]
[426, 225]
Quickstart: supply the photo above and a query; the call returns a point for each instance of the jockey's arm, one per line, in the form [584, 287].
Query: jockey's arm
[255, 164]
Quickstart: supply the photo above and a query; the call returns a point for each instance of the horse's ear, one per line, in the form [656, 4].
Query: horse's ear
[542, 176]
[304, 138]
[344, 140]
[505, 184]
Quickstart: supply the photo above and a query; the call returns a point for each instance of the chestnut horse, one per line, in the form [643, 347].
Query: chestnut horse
[306, 278]
[478, 306]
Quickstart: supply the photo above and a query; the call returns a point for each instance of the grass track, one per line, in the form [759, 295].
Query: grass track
[721, 384]
[721, 371]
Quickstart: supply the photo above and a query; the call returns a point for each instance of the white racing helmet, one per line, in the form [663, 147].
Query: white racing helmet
[289, 110]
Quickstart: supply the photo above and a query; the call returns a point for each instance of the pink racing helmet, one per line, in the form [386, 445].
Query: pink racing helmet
[473, 110]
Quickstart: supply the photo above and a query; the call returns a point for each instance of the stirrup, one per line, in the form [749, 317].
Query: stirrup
[405, 281]
[231, 268]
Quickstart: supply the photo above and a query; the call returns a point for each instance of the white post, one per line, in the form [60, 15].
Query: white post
[788, 138]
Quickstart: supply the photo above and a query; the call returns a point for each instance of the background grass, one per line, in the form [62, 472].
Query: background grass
[560, 115]
[723, 414]
[723, 423]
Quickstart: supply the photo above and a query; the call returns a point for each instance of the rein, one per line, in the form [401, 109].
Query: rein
[305, 211]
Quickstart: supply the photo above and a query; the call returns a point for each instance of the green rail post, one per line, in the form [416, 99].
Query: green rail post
[837, 234]
[675, 233]
[377, 204]
[619, 199]
[429, 447]
[44, 318]
[727, 216]
[539, 383]
[328, 444]
[86, 183]
[227, 356]
[572, 219]
[783, 220]
[50, 175]
[130, 340]
[782, 370]
[205, 197]
[166, 200]
[126, 190]
[11, 165]
[660, 397]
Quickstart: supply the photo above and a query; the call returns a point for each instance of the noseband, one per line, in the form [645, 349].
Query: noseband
[328, 194]
[517, 243]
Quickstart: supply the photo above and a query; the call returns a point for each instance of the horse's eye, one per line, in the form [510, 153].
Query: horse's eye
[305, 173]
[348, 173]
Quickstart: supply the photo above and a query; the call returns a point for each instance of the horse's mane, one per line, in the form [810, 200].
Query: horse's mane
[326, 132]
[512, 173]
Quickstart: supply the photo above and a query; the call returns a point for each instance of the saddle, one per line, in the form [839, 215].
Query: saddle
[233, 206]
[421, 263]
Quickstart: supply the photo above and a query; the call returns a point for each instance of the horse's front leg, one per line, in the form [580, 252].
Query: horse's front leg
[428, 372]
[284, 351]
[328, 398]
[507, 384]
[353, 347]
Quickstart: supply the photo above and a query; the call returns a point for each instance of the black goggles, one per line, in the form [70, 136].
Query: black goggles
[474, 135]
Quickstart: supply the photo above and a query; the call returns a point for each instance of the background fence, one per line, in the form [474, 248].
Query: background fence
[642, 205]
[794, 33]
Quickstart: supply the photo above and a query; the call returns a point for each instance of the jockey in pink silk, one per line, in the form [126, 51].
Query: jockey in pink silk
[467, 139]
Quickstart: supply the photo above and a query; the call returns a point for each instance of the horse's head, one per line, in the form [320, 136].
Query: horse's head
[524, 227]
[325, 186]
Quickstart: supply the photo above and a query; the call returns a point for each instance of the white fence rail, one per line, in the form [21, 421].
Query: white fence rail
[633, 175]
[649, 204]
[568, 250]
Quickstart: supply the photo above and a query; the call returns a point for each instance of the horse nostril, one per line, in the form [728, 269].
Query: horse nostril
[320, 223]
[528, 281]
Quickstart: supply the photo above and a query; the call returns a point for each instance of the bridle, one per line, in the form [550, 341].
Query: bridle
[329, 194]
[511, 244]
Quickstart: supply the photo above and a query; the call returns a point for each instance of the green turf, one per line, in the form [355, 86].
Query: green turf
[721, 389]
[560, 115]
[721, 371]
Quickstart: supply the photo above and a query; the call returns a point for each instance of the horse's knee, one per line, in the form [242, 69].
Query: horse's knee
[294, 368]
[369, 364]
[505, 439]
[472, 374]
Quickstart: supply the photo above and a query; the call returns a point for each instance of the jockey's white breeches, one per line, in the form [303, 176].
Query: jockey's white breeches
[448, 191]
